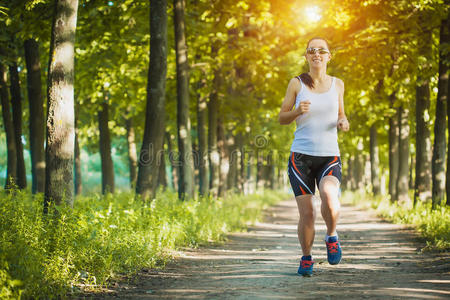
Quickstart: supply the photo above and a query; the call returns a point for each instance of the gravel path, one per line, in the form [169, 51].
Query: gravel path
[380, 261]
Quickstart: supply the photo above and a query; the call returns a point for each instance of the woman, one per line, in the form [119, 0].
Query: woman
[319, 111]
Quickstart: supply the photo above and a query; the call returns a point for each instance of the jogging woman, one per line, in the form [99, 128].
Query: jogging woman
[315, 100]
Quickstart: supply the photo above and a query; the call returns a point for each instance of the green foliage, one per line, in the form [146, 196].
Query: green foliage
[106, 236]
[432, 224]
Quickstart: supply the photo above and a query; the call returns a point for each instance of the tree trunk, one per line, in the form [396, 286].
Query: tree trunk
[173, 163]
[374, 161]
[78, 182]
[241, 162]
[184, 123]
[60, 116]
[105, 150]
[394, 133]
[162, 177]
[132, 153]
[233, 163]
[259, 184]
[214, 157]
[422, 186]
[438, 167]
[403, 145]
[37, 122]
[16, 100]
[11, 172]
[351, 182]
[152, 144]
[224, 165]
[202, 145]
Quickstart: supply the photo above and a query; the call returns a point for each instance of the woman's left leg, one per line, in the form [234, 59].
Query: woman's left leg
[329, 191]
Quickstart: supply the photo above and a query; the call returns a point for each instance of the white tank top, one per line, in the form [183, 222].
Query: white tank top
[316, 132]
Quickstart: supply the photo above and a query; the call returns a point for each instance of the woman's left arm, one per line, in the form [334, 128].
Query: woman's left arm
[342, 118]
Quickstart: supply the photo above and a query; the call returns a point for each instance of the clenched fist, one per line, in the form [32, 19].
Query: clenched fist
[343, 124]
[303, 107]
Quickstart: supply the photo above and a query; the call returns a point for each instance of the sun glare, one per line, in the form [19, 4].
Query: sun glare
[313, 13]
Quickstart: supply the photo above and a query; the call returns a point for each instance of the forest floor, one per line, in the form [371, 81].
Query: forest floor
[380, 261]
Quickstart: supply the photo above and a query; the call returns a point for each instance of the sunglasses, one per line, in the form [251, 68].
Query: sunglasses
[314, 50]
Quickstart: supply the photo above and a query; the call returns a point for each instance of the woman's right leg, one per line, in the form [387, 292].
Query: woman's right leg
[305, 229]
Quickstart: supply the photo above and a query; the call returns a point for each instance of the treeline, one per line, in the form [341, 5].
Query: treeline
[192, 89]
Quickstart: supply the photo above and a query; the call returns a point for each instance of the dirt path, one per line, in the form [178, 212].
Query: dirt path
[380, 260]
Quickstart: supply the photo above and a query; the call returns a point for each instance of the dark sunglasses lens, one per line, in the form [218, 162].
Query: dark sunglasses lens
[323, 51]
[310, 51]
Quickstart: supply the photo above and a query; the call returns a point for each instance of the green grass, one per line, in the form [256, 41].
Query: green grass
[432, 224]
[47, 257]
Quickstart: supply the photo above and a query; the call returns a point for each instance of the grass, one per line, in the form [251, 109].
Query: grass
[432, 224]
[107, 236]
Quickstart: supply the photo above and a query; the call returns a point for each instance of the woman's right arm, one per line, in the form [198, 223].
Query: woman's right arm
[287, 114]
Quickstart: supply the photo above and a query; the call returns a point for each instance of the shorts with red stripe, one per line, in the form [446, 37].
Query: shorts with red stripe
[305, 171]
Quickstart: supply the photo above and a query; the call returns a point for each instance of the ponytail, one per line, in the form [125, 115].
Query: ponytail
[307, 79]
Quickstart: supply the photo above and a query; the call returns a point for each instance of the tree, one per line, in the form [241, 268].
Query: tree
[59, 154]
[16, 101]
[423, 144]
[37, 122]
[374, 160]
[403, 145]
[155, 112]
[11, 175]
[186, 183]
[105, 149]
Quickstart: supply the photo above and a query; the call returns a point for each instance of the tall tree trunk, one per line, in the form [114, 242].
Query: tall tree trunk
[60, 148]
[11, 171]
[78, 182]
[394, 156]
[184, 123]
[233, 162]
[105, 150]
[162, 177]
[438, 167]
[153, 141]
[202, 145]
[224, 158]
[422, 186]
[259, 184]
[16, 100]
[213, 111]
[173, 162]
[351, 173]
[374, 160]
[132, 154]
[403, 145]
[241, 175]
[37, 122]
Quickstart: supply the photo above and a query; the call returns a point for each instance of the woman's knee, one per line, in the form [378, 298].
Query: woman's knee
[306, 207]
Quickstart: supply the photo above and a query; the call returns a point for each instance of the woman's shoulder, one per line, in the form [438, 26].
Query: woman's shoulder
[295, 83]
[339, 83]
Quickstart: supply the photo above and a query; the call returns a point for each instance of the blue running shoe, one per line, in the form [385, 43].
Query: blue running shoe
[334, 251]
[306, 267]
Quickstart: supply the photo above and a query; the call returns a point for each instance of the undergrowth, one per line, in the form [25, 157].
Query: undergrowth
[432, 224]
[104, 236]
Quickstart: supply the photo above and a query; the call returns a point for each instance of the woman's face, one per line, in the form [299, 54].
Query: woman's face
[316, 59]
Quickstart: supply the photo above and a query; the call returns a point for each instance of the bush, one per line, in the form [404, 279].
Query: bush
[104, 236]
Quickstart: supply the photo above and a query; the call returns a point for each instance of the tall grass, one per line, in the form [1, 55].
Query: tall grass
[432, 224]
[105, 236]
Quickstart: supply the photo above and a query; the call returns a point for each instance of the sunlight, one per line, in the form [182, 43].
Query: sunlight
[313, 13]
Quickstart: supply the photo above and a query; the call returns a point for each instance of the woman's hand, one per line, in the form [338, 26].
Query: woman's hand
[303, 107]
[343, 124]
